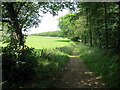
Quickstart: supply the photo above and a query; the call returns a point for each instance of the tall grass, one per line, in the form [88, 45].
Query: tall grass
[51, 62]
[67, 49]
[103, 65]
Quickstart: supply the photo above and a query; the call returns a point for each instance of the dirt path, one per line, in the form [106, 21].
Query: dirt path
[76, 75]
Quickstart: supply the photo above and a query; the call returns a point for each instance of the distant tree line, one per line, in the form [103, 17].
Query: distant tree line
[50, 34]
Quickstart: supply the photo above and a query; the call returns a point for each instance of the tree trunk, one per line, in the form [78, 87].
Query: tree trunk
[90, 32]
[82, 38]
[106, 29]
[15, 23]
[90, 37]
[89, 26]
[85, 41]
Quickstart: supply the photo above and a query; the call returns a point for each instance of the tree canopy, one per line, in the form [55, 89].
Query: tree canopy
[97, 25]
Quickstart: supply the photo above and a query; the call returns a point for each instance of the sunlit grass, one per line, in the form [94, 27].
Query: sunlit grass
[39, 42]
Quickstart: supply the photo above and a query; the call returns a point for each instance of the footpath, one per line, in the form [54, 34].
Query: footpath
[76, 75]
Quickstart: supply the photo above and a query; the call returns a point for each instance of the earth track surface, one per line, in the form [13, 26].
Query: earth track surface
[77, 75]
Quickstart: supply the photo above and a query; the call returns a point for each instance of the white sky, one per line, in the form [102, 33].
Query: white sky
[48, 23]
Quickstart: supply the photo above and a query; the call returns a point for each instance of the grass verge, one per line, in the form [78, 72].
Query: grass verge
[104, 66]
[51, 62]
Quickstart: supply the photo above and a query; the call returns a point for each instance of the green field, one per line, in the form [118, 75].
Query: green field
[39, 42]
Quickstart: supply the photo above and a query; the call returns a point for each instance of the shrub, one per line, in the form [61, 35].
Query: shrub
[67, 49]
[18, 68]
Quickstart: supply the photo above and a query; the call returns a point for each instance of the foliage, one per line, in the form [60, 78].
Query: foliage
[34, 67]
[51, 62]
[67, 49]
[18, 68]
[95, 24]
[104, 66]
[50, 34]
[21, 16]
[66, 24]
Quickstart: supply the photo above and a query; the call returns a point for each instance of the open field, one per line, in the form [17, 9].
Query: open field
[39, 42]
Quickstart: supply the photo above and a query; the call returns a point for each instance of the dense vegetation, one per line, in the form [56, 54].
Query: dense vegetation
[97, 25]
[35, 68]
[50, 34]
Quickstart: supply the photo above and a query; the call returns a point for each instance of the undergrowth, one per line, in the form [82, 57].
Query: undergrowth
[103, 65]
[32, 68]
[51, 62]
[66, 49]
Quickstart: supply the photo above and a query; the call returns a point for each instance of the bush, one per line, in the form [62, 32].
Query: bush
[18, 68]
[67, 49]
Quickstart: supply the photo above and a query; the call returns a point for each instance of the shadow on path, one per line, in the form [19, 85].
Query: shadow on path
[76, 75]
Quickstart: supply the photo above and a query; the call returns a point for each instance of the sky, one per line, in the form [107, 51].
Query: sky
[48, 23]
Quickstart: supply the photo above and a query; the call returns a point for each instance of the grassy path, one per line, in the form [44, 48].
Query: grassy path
[76, 75]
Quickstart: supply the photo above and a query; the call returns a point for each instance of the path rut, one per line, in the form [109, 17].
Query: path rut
[76, 75]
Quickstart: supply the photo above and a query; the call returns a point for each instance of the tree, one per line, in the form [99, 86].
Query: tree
[97, 25]
[16, 56]
[102, 23]
[80, 27]
[22, 16]
[67, 26]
